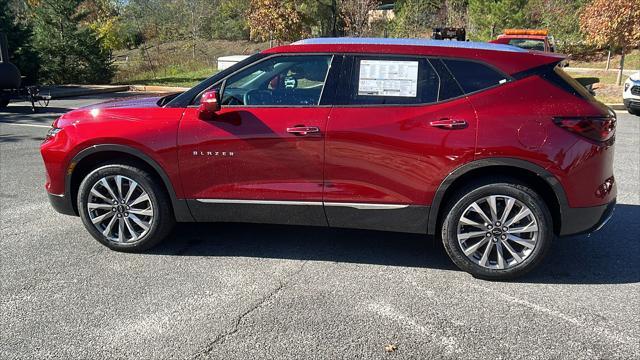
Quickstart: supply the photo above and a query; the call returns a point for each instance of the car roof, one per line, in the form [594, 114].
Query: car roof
[409, 42]
[509, 59]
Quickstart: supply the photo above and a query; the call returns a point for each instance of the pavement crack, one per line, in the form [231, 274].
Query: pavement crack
[221, 338]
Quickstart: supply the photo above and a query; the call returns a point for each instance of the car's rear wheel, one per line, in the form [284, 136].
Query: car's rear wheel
[124, 208]
[497, 230]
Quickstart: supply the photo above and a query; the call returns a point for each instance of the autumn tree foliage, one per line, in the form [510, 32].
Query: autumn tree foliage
[614, 24]
[355, 15]
[278, 20]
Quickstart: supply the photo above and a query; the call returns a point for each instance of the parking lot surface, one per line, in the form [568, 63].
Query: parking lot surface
[226, 291]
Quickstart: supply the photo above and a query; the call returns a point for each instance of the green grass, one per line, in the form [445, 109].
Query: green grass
[599, 61]
[606, 89]
[168, 77]
[173, 63]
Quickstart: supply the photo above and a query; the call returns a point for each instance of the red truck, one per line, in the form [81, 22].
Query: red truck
[527, 39]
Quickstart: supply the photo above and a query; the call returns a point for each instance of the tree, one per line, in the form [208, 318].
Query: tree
[489, 17]
[560, 17]
[614, 24]
[278, 20]
[229, 20]
[19, 38]
[70, 51]
[456, 13]
[355, 14]
[320, 16]
[415, 18]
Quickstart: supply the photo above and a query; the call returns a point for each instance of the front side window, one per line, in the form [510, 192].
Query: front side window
[279, 81]
[474, 76]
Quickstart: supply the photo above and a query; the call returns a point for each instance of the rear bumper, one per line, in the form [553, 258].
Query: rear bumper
[61, 204]
[585, 220]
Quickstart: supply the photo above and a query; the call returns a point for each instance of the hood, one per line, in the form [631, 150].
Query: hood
[132, 108]
[130, 102]
[635, 76]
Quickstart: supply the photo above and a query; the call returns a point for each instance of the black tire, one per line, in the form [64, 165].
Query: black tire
[4, 103]
[163, 217]
[476, 191]
[635, 112]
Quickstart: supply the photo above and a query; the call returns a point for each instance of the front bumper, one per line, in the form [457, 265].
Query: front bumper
[632, 103]
[586, 220]
[62, 204]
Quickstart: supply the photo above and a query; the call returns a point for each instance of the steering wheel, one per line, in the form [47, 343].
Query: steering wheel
[258, 97]
[232, 100]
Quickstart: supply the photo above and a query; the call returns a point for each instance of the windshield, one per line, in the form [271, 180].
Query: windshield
[528, 44]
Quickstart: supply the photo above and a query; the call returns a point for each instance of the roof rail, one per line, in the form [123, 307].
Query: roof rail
[410, 42]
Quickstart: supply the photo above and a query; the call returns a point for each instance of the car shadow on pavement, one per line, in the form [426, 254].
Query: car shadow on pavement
[7, 138]
[609, 256]
[304, 243]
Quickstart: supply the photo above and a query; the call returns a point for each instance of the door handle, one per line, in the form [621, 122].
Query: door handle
[449, 124]
[303, 130]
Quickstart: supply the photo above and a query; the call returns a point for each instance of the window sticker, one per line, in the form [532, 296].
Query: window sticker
[388, 78]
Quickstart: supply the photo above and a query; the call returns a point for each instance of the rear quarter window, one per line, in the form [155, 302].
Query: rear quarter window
[474, 76]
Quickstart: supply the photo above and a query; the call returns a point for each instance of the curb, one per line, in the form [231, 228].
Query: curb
[61, 93]
[617, 106]
[73, 91]
[587, 70]
[153, 88]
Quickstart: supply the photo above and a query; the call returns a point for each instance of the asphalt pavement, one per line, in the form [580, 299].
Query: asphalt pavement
[238, 291]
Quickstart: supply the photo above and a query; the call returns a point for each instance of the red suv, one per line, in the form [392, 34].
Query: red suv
[491, 148]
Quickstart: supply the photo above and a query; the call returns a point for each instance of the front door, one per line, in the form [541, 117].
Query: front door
[261, 158]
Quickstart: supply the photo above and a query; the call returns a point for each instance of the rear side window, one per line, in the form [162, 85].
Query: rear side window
[449, 88]
[376, 80]
[474, 76]
[560, 78]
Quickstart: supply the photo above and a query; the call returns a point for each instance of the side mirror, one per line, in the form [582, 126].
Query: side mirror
[209, 105]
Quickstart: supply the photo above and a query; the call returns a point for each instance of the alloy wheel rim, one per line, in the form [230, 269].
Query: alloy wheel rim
[497, 232]
[120, 209]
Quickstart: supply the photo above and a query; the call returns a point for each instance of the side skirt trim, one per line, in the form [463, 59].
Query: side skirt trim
[386, 217]
[359, 206]
[259, 202]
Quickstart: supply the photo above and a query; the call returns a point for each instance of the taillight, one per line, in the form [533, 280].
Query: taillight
[594, 128]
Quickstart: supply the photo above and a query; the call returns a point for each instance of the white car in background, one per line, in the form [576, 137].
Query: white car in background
[631, 94]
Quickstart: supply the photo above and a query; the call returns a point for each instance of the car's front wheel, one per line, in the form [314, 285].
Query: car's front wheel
[124, 208]
[497, 230]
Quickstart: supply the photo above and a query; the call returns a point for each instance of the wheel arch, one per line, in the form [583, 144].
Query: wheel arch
[87, 159]
[541, 180]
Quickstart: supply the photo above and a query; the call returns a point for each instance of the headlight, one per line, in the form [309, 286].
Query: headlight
[52, 132]
[626, 86]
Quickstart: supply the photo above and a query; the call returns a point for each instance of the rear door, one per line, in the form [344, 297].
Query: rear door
[400, 125]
